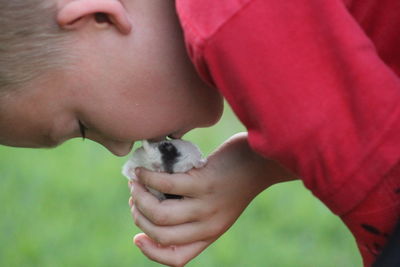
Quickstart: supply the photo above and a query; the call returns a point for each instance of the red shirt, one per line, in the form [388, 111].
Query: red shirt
[315, 83]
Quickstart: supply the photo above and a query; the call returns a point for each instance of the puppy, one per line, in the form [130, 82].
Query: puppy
[169, 156]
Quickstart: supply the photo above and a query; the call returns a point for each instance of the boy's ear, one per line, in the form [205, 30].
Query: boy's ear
[73, 14]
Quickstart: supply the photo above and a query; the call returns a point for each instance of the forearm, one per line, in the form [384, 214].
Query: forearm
[236, 157]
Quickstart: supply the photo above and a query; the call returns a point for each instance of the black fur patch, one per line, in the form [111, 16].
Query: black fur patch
[169, 155]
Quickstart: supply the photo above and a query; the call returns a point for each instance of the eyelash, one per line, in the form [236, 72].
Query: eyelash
[101, 17]
[82, 129]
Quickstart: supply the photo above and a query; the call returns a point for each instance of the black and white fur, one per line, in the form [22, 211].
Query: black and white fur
[169, 156]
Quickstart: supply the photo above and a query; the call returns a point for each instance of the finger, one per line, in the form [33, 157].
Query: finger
[131, 201]
[175, 234]
[167, 212]
[169, 255]
[177, 184]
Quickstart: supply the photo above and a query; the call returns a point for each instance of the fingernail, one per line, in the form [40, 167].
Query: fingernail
[132, 189]
[139, 243]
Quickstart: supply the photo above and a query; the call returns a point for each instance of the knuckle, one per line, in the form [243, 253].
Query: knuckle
[143, 175]
[198, 213]
[141, 202]
[164, 240]
[135, 216]
[161, 218]
[167, 185]
[136, 220]
[208, 211]
[207, 187]
[179, 261]
[215, 230]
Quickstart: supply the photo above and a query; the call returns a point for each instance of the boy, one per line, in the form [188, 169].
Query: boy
[315, 83]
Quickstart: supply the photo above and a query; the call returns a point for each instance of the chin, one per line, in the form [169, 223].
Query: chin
[215, 113]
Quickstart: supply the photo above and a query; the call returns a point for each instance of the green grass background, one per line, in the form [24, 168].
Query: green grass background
[69, 207]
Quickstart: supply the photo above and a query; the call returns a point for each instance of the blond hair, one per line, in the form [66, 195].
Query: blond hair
[31, 42]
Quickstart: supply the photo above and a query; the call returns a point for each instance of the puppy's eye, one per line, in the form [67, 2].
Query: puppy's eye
[101, 17]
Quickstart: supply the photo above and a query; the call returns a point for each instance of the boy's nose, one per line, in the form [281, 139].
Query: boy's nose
[119, 149]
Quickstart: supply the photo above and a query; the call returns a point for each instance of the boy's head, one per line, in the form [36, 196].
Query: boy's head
[116, 70]
[30, 41]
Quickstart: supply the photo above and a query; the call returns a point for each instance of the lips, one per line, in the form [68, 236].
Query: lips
[157, 139]
[175, 135]
[168, 137]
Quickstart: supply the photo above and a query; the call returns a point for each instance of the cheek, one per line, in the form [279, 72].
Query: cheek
[129, 114]
[131, 124]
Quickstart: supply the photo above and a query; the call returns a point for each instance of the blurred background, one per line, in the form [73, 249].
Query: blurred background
[68, 206]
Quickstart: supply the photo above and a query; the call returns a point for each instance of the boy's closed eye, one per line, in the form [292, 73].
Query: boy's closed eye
[82, 129]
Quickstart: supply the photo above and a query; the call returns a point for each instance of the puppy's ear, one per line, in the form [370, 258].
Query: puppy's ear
[146, 146]
[74, 14]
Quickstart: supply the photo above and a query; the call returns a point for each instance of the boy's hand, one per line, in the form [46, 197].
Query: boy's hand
[214, 197]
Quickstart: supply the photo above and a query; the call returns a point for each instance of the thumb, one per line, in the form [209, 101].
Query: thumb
[176, 256]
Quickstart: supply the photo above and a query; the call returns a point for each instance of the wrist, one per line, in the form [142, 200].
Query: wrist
[242, 160]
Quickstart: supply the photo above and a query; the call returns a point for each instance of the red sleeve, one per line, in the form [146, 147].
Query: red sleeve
[309, 86]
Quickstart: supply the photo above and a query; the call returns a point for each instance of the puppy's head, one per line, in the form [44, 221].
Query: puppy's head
[169, 155]
[175, 155]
